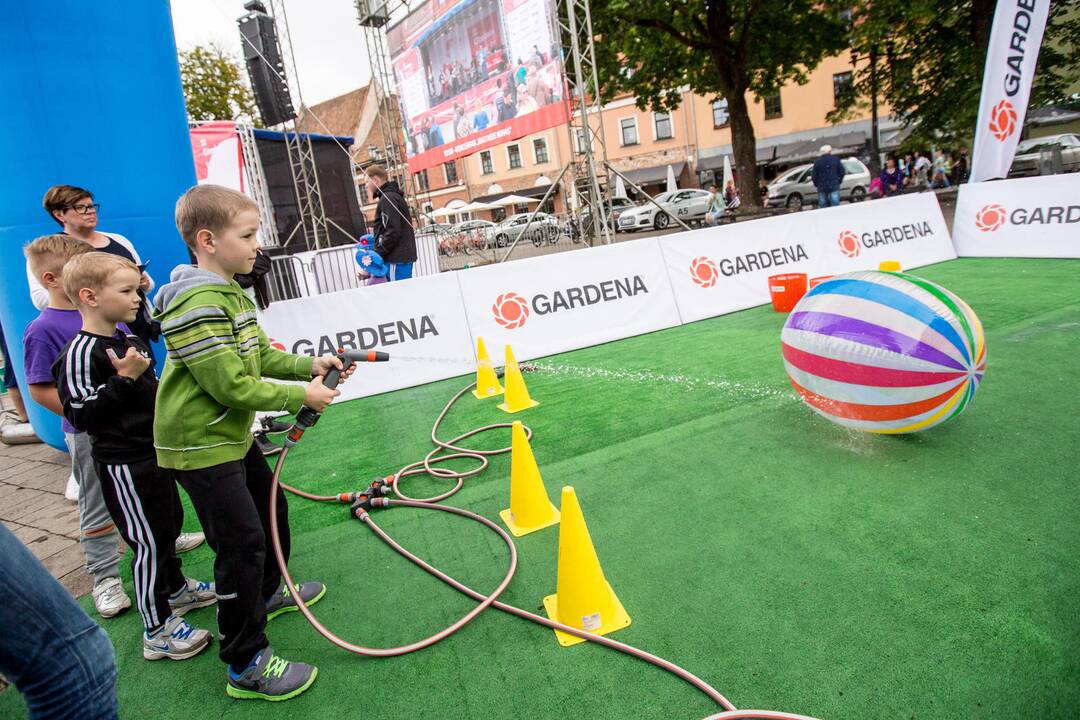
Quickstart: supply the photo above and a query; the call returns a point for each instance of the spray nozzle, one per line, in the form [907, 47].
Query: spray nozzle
[307, 417]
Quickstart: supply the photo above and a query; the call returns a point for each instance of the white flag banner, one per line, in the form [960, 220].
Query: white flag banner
[1010, 67]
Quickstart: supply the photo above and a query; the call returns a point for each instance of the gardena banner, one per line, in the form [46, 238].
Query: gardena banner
[1026, 217]
[719, 270]
[546, 305]
[421, 323]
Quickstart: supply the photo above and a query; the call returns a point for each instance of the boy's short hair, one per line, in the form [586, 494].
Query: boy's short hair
[92, 270]
[61, 197]
[377, 171]
[209, 207]
[49, 253]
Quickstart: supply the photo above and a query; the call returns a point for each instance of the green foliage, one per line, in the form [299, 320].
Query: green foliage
[931, 57]
[719, 48]
[215, 86]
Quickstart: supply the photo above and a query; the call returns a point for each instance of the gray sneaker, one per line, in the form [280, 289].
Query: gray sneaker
[194, 594]
[271, 677]
[177, 640]
[282, 601]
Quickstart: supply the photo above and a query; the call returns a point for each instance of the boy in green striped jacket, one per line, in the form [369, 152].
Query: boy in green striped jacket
[210, 389]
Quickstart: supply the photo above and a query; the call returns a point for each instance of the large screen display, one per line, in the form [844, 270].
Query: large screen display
[475, 73]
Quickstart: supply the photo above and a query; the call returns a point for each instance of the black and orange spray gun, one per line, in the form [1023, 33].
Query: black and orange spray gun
[307, 417]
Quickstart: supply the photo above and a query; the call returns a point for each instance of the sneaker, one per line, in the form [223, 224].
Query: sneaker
[176, 640]
[194, 594]
[266, 447]
[271, 677]
[20, 433]
[71, 492]
[189, 541]
[282, 601]
[109, 597]
[273, 425]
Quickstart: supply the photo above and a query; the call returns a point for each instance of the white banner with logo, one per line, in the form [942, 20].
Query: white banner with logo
[1026, 217]
[560, 302]
[1010, 67]
[421, 323]
[723, 269]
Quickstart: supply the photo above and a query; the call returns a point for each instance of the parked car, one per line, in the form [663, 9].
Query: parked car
[1026, 161]
[544, 228]
[795, 188]
[687, 205]
[616, 205]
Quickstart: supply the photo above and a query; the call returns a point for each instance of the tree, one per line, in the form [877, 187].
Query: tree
[929, 58]
[722, 49]
[215, 87]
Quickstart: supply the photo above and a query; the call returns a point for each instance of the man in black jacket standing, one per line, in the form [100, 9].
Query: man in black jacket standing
[827, 174]
[393, 231]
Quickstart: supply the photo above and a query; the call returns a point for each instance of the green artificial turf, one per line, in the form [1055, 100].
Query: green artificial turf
[791, 563]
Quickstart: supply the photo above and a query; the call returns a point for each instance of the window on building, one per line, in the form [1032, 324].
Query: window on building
[662, 126]
[521, 208]
[363, 194]
[513, 156]
[421, 181]
[772, 106]
[540, 153]
[450, 171]
[720, 116]
[628, 130]
[427, 209]
[582, 140]
[498, 214]
[841, 86]
[486, 167]
[548, 206]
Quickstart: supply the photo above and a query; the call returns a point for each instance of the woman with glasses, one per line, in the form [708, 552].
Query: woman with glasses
[74, 209]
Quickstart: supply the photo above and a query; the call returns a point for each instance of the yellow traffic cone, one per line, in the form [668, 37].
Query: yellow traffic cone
[583, 598]
[487, 383]
[530, 509]
[517, 395]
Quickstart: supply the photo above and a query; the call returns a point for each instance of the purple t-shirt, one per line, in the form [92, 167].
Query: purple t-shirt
[43, 340]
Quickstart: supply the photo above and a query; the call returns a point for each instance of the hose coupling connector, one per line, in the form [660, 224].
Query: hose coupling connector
[382, 485]
[360, 506]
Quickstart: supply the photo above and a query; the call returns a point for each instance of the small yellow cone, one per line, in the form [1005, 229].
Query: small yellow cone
[517, 395]
[530, 508]
[889, 266]
[487, 383]
[583, 598]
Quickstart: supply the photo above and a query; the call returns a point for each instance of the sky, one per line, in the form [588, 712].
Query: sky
[331, 56]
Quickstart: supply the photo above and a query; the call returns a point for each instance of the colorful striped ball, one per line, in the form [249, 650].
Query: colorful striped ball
[884, 352]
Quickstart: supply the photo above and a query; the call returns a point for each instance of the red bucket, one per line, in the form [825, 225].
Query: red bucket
[814, 282]
[786, 290]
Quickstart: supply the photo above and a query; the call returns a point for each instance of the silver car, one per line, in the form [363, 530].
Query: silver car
[687, 205]
[1026, 161]
[795, 188]
[544, 228]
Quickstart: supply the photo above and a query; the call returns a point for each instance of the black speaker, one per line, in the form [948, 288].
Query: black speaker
[265, 68]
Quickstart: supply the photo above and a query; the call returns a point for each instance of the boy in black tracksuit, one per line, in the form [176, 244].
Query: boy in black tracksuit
[107, 388]
[395, 240]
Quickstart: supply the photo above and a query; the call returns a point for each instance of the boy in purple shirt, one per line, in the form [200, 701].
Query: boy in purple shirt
[43, 340]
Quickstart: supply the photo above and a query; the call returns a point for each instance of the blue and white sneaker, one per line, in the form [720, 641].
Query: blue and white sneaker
[176, 640]
[194, 594]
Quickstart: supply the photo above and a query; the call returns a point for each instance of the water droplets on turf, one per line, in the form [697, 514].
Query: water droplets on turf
[731, 388]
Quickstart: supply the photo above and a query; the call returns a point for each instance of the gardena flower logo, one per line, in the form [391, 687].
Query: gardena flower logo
[510, 310]
[276, 345]
[1003, 120]
[704, 272]
[849, 243]
[990, 218]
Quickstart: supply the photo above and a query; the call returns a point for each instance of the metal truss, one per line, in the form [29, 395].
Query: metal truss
[257, 187]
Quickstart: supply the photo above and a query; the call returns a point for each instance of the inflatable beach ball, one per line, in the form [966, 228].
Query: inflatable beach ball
[884, 352]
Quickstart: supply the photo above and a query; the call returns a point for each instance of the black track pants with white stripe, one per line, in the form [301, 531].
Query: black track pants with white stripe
[145, 505]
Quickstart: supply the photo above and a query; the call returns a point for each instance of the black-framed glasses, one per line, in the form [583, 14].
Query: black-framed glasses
[85, 208]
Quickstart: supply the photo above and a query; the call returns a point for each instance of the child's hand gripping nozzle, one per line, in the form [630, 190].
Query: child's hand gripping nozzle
[308, 417]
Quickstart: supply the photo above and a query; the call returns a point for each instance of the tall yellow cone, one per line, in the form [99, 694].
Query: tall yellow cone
[530, 509]
[517, 395]
[487, 383]
[583, 598]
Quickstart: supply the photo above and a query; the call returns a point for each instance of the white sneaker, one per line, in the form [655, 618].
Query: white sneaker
[189, 541]
[71, 492]
[177, 640]
[110, 598]
[194, 594]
